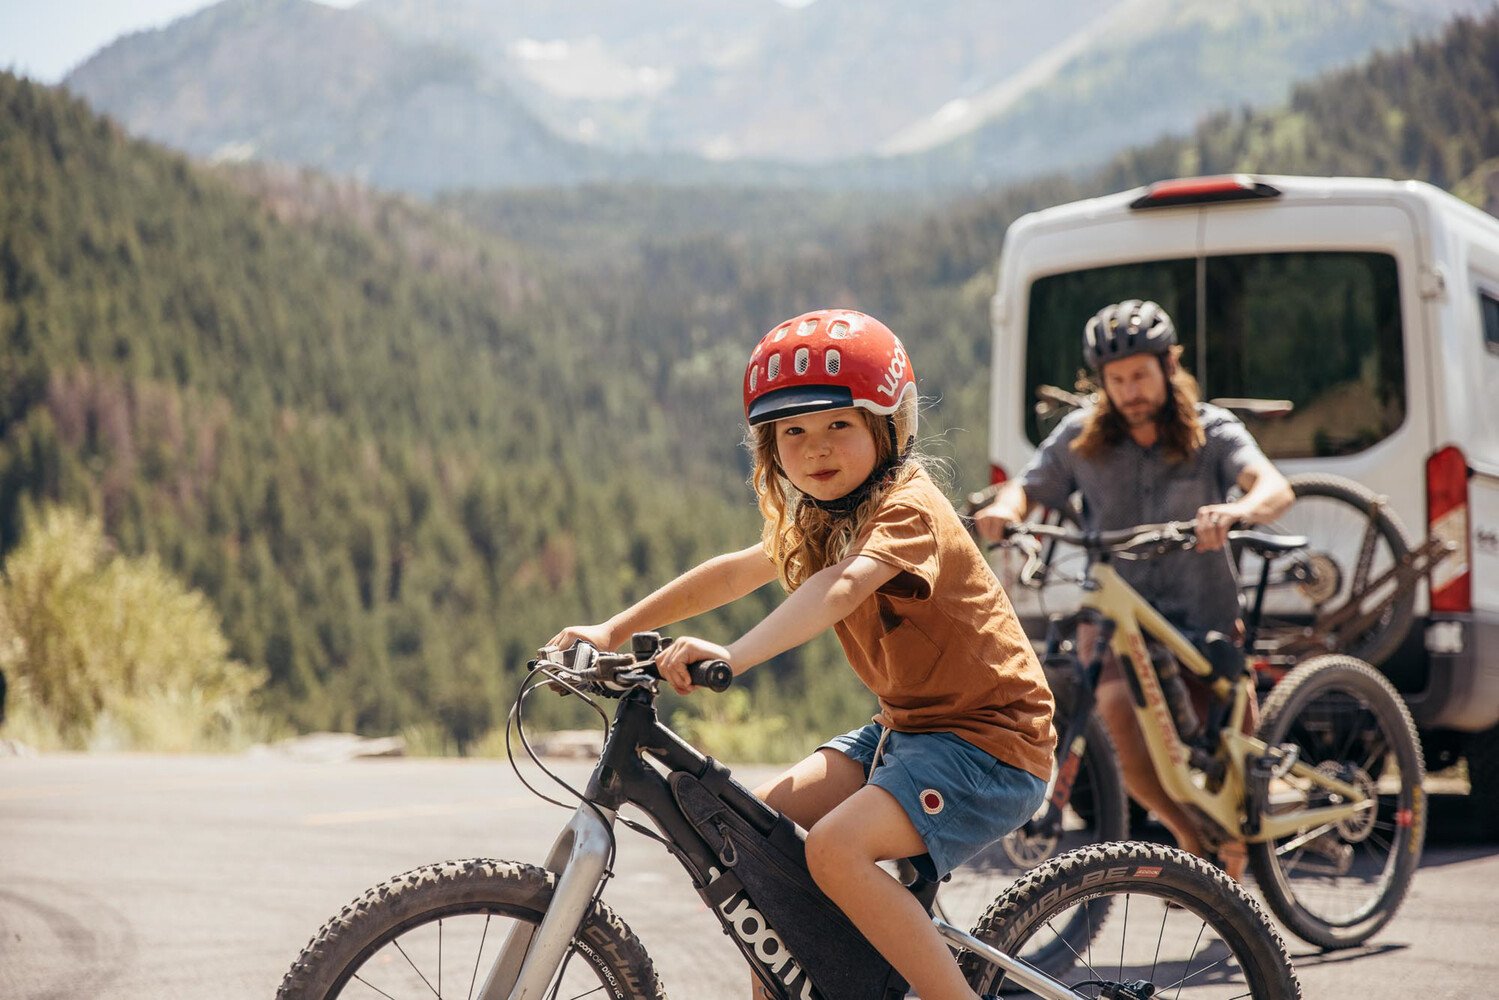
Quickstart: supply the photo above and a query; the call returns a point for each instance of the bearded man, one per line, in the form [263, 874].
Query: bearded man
[1149, 450]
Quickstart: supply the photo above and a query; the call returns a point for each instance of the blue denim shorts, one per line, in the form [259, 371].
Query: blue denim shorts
[959, 798]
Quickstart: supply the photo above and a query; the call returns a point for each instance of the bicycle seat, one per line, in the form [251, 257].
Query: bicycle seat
[1264, 542]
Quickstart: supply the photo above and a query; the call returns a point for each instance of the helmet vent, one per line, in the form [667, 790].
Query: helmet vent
[838, 331]
[803, 360]
[773, 368]
[781, 333]
[832, 360]
[754, 377]
[807, 328]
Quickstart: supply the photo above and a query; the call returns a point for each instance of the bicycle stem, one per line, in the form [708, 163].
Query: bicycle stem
[529, 959]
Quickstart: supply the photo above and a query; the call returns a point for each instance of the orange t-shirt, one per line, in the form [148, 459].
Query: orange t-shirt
[939, 644]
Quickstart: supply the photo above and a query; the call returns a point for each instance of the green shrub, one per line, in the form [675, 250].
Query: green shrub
[109, 652]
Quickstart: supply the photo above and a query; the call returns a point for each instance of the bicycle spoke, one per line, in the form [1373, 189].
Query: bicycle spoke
[1304, 839]
[1206, 968]
[415, 969]
[1161, 936]
[588, 993]
[1086, 961]
[1195, 945]
[483, 936]
[369, 985]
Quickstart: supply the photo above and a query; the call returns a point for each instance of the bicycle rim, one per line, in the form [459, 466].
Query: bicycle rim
[1336, 884]
[437, 931]
[1174, 923]
[449, 953]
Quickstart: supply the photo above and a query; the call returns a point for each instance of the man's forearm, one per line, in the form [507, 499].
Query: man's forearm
[1268, 498]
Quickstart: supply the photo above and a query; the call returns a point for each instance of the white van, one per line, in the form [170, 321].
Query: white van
[1372, 306]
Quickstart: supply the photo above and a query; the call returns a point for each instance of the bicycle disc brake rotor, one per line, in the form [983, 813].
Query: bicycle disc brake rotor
[1322, 578]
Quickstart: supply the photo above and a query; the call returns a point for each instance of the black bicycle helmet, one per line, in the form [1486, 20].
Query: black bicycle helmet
[1125, 328]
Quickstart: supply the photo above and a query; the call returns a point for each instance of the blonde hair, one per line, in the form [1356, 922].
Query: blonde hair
[799, 537]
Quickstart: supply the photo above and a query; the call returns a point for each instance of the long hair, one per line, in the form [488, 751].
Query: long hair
[1180, 430]
[802, 539]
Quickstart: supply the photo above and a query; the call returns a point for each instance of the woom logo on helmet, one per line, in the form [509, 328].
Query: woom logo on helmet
[895, 372]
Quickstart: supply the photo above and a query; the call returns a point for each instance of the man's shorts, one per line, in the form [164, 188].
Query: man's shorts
[959, 798]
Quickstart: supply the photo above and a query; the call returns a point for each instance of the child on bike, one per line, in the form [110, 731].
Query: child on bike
[864, 542]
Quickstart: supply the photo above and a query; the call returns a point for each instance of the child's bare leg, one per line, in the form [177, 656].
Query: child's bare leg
[806, 793]
[814, 786]
[843, 849]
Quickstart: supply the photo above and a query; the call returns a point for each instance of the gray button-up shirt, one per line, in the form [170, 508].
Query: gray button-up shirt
[1133, 485]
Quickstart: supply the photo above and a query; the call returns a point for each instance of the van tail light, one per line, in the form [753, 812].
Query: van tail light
[1204, 191]
[998, 475]
[1447, 519]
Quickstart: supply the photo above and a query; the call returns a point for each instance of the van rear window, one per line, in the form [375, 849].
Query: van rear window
[1321, 330]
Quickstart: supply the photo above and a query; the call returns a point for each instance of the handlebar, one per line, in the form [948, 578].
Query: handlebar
[1162, 537]
[616, 673]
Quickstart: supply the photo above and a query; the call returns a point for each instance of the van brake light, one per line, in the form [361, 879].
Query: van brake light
[1447, 519]
[1204, 191]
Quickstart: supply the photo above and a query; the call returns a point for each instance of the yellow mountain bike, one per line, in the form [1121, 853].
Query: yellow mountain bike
[1327, 793]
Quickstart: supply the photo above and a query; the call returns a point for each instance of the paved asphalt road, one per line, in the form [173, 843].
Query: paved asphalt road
[179, 878]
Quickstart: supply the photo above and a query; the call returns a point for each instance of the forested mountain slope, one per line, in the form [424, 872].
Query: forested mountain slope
[397, 452]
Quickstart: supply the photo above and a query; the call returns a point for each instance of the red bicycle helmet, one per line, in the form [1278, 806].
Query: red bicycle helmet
[826, 360]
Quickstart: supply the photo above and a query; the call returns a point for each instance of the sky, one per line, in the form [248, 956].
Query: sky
[44, 39]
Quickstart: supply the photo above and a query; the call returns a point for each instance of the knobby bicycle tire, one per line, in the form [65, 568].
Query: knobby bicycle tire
[1341, 886]
[1098, 813]
[1229, 947]
[1334, 543]
[474, 899]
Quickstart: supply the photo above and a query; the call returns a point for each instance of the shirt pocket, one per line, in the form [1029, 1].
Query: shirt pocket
[909, 659]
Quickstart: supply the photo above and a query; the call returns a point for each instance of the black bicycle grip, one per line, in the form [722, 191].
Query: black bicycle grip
[715, 675]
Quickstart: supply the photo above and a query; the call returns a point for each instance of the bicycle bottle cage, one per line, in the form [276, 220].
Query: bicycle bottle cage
[766, 898]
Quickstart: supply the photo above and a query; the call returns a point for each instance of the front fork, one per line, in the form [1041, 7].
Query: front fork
[1071, 744]
[530, 957]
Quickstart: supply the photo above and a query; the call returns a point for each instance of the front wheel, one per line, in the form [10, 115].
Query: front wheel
[1336, 884]
[437, 930]
[1175, 923]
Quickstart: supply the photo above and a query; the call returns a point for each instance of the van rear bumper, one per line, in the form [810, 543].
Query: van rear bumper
[1462, 677]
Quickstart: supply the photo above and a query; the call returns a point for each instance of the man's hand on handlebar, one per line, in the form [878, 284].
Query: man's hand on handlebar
[672, 662]
[994, 521]
[1214, 521]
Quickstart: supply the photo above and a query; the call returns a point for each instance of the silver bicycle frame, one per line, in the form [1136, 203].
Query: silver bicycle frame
[1020, 974]
[529, 958]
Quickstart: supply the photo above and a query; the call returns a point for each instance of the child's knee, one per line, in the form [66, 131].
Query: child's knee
[829, 852]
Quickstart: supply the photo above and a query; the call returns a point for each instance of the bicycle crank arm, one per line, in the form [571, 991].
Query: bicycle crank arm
[529, 958]
[1020, 973]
